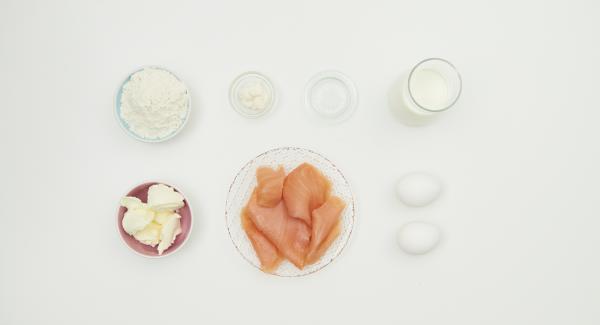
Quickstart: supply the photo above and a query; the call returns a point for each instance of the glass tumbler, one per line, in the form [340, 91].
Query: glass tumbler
[432, 86]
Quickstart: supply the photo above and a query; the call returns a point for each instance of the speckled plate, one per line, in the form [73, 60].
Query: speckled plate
[288, 157]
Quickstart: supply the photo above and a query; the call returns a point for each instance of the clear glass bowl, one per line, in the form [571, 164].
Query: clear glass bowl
[331, 96]
[243, 80]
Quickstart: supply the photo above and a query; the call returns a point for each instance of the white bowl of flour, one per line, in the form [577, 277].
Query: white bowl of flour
[152, 104]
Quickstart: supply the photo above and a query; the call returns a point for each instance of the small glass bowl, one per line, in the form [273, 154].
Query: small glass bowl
[331, 96]
[243, 80]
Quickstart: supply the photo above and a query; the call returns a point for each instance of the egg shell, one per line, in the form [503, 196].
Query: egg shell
[418, 189]
[418, 237]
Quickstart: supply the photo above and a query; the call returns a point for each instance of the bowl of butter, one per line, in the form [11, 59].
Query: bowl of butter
[154, 219]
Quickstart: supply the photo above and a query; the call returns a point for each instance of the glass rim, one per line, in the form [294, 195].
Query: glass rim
[455, 71]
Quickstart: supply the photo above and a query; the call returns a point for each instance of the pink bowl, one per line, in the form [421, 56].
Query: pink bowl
[141, 192]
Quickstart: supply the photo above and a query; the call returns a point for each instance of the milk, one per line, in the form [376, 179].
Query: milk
[429, 89]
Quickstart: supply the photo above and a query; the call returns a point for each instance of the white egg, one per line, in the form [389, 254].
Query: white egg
[418, 237]
[418, 189]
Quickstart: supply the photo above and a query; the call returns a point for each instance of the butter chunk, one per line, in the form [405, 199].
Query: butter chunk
[135, 220]
[162, 217]
[132, 202]
[164, 198]
[150, 235]
[169, 231]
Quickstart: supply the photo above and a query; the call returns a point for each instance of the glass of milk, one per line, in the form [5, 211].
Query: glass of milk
[431, 87]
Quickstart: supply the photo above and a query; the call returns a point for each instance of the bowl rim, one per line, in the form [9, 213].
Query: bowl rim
[122, 123]
[168, 252]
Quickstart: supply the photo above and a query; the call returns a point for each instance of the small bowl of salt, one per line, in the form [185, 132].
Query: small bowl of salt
[152, 104]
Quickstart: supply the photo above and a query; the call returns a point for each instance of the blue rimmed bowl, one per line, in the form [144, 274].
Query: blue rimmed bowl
[125, 126]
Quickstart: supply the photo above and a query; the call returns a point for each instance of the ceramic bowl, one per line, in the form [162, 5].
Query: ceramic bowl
[141, 192]
[125, 126]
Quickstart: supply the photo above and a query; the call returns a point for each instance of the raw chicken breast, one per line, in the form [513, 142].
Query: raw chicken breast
[267, 252]
[290, 235]
[325, 227]
[270, 186]
[304, 190]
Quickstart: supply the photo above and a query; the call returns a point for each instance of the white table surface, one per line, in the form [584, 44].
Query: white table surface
[519, 156]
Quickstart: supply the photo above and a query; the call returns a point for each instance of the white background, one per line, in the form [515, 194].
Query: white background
[519, 156]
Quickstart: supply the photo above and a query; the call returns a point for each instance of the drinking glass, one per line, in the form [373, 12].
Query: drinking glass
[432, 86]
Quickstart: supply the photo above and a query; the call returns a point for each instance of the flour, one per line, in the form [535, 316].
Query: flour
[154, 103]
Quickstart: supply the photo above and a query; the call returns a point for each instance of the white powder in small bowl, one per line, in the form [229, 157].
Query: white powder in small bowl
[255, 96]
[154, 104]
[252, 95]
